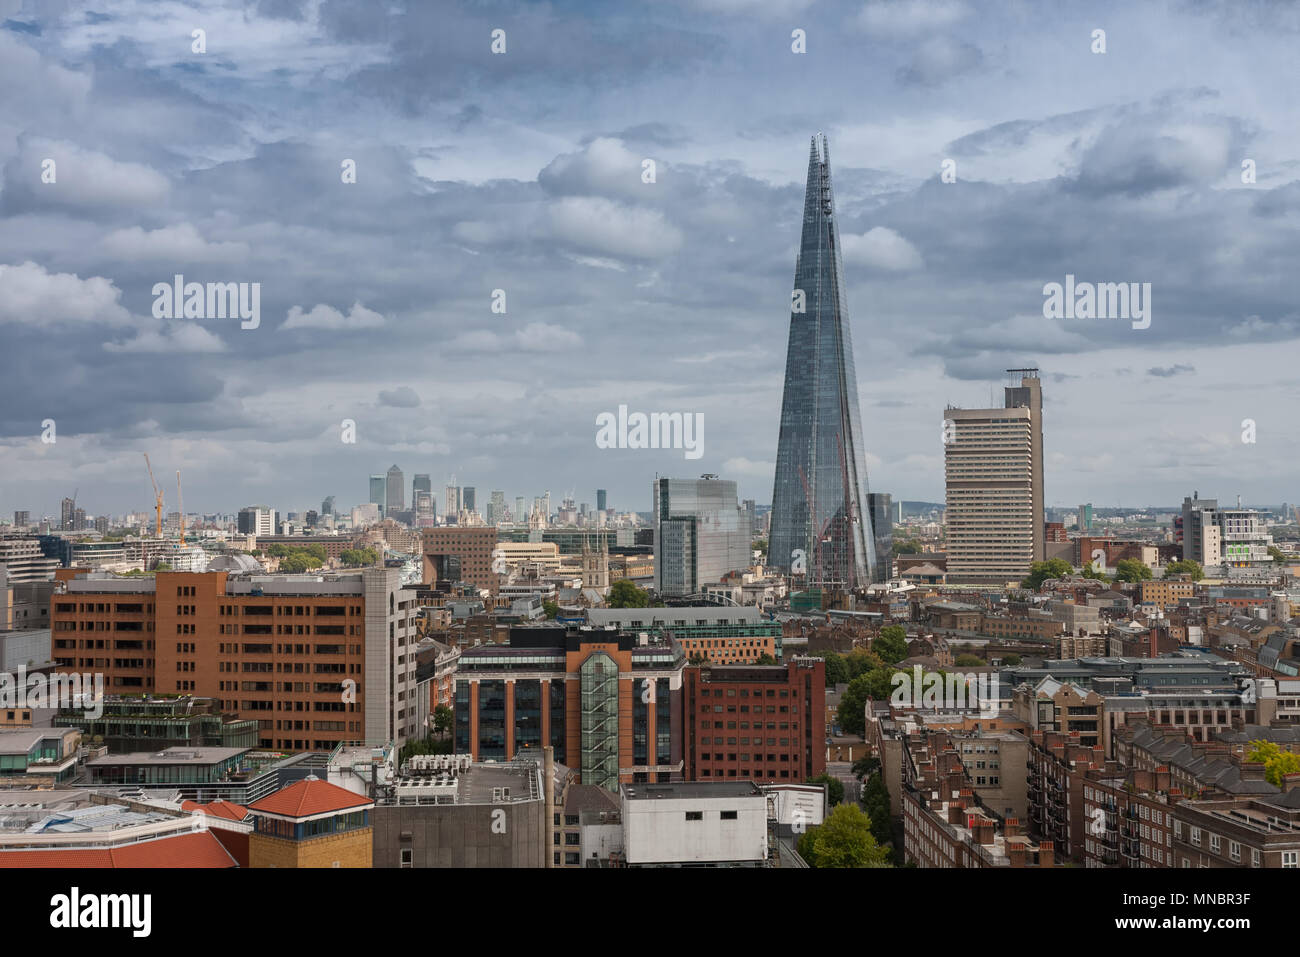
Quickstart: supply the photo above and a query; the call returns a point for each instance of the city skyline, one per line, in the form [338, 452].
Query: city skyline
[673, 292]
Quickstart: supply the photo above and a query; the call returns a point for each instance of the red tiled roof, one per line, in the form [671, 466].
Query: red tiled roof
[218, 808]
[308, 797]
[200, 849]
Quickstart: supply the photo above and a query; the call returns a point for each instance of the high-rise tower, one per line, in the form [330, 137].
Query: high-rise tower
[820, 522]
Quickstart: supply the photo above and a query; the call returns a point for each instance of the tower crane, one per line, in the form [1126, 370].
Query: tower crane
[180, 506]
[158, 499]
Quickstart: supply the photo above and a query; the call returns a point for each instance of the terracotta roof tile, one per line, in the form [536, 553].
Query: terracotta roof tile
[218, 808]
[200, 849]
[308, 797]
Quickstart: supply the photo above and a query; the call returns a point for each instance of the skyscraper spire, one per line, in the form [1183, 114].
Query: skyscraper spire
[820, 523]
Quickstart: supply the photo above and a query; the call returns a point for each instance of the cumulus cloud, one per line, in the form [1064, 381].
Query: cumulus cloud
[177, 336]
[322, 316]
[605, 167]
[940, 59]
[83, 179]
[1173, 370]
[880, 248]
[601, 226]
[180, 243]
[30, 294]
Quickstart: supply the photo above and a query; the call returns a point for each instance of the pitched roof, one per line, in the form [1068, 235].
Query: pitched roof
[309, 797]
[200, 849]
[218, 808]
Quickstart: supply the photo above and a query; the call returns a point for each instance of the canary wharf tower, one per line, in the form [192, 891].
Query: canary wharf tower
[820, 524]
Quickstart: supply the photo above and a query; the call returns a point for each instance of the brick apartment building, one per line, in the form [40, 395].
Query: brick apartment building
[1129, 818]
[453, 554]
[315, 661]
[756, 722]
[1239, 831]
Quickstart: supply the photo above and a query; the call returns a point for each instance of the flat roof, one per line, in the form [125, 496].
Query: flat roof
[178, 755]
[691, 789]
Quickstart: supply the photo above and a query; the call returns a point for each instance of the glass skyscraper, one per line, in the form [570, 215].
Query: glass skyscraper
[700, 534]
[820, 522]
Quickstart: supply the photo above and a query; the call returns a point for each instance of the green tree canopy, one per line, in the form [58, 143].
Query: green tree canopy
[834, 788]
[891, 644]
[443, 718]
[909, 546]
[1131, 570]
[551, 608]
[844, 839]
[625, 594]
[1011, 659]
[1185, 566]
[1277, 763]
[969, 661]
[1039, 572]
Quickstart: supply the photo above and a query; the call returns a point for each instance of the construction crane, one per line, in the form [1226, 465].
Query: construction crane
[158, 499]
[180, 505]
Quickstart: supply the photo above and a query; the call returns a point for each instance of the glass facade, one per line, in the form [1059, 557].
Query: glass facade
[491, 720]
[557, 720]
[819, 498]
[528, 716]
[462, 718]
[663, 722]
[702, 534]
[599, 681]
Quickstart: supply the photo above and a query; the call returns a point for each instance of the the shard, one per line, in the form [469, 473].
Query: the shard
[821, 527]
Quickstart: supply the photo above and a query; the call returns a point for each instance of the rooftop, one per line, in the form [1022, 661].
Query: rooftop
[309, 797]
[691, 789]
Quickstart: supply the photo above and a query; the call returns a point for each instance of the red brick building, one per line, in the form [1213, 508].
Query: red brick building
[761, 722]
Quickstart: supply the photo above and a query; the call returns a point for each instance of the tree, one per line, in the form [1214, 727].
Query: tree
[1094, 574]
[1039, 572]
[837, 672]
[1185, 566]
[760, 545]
[860, 661]
[1277, 763]
[891, 644]
[1277, 554]
[1131, 570]
[844, 839]
[765, 659]
[910, 546]
[968, 661]
[443, 719]
[875, 801]
[625, 594]
[551, 608]
[851, 712]
[865, 766]
[1012, 659]
[834, 788]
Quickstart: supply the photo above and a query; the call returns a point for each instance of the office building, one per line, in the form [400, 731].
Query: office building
[23, 560]
[882, 524]
[467, 498]
[820, 519]
[315, 660]
[721, 635]
[1200, 530]
[22, 519]
[755, 722]
[496, 507]
[394, 491]
[606, 703]
[454, 555]
[699, 534]
[993, 472]
[715, 824]
[421, 483]
[452, 498]
[327, 506]
[1085, 518]
[257, 520]
[601, 495]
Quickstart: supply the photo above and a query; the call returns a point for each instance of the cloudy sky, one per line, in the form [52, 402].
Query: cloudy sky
[523, 171]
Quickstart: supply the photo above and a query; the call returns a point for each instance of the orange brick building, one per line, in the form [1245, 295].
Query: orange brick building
[315, 661]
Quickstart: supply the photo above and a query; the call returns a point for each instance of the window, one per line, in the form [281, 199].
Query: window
[729, 815]
[1195, 836]
[695, 815]
[1289, 859]
[407, 857]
